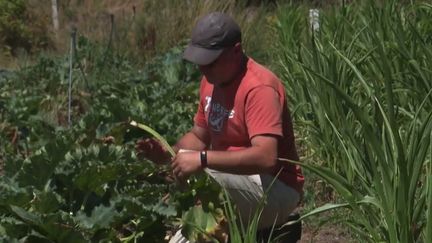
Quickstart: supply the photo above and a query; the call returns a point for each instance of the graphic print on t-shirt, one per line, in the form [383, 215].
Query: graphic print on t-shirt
[217, 114]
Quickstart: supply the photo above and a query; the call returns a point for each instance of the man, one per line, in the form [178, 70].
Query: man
[241, 128]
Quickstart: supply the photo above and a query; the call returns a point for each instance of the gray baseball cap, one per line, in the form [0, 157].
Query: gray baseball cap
[210, 36]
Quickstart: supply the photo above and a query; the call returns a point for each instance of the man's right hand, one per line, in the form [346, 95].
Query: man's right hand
[151, 149]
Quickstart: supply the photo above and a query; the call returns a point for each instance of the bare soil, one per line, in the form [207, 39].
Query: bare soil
[312, 229]
[325, 234]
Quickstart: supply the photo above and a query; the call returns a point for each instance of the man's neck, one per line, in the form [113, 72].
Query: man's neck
[242, 65]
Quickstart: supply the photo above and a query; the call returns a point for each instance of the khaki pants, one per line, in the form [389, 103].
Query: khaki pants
[247, 191]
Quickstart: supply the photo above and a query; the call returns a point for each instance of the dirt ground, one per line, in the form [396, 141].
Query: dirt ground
[325, 234]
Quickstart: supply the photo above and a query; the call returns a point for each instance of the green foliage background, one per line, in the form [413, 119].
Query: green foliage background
[60, 182]
[360, 94]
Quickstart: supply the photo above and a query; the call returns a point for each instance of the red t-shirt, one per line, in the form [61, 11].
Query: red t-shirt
[253, 104]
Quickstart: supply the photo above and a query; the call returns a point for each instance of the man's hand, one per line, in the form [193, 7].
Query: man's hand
[151, 149]
[185, 164]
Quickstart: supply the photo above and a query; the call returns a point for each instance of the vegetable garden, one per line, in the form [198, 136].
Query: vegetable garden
[360, 95]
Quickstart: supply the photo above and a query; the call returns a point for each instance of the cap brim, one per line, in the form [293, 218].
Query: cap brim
[200, 56]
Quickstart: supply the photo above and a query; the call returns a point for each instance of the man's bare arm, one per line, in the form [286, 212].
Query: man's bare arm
[257, 159]
[197, 139]
[260, 157]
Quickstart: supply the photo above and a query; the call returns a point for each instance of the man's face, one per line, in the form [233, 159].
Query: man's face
[223, 69]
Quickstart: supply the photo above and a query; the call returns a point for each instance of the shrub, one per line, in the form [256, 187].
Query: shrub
[19, 29]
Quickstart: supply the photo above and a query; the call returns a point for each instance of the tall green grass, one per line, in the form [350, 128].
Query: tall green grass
[361, 94]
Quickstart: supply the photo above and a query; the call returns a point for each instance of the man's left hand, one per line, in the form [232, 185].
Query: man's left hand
[185, 164]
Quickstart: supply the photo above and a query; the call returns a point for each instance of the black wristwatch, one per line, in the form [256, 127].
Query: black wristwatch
[203, 156]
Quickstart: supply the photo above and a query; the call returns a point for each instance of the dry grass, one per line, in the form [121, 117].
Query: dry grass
[141, 28]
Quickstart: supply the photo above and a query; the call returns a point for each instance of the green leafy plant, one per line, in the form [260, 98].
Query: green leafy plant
[359, 85]
[85, 182]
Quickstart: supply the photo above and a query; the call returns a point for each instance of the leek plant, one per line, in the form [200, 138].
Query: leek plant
[361, 97]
